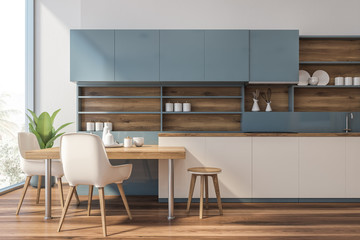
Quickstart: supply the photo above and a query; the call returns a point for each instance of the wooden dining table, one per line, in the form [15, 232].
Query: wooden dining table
[132, 153]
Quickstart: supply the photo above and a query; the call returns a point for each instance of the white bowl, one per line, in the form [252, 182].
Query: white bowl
[138, 141]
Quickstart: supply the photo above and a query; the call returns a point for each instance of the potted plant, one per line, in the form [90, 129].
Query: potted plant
[42, 127]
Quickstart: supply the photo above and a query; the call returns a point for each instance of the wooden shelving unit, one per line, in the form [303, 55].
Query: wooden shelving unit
[280, 97]
[338, 56]
[143, 108]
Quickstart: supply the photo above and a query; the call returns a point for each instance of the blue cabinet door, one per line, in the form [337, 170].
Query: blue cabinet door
[227, 55]
[137, 55]
[274, 56]
[181, 55]
[91, 55]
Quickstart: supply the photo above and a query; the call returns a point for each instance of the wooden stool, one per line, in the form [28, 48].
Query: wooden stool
[204, 173]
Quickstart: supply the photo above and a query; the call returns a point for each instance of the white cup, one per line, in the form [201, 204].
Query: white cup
[127, 142]
[138, 141]
[90, 126]
[178, 107]
[99, 126]
[109, 125]
[169, 107]
[186, 107]
[313, 81]
[339, 81]
[356, 81]
[348, 81]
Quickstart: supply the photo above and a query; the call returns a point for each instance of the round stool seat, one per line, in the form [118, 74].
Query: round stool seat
[204, 170]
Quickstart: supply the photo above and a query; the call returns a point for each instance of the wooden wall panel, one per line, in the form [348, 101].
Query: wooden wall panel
[120, 105]
[334, 70]
[125, 122]
[210, 105]
[120, 91]
[320, 49]
[279, 97]
[202, 122]
[202, 91]
[327, 100]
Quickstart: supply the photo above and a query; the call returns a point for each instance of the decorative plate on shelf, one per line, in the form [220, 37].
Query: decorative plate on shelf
[303, 78]
[323, 76]
[115, 145]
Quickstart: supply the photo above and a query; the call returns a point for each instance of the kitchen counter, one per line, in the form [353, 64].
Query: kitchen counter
[260, 134]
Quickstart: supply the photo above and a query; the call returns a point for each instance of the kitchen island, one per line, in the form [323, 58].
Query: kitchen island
[266, 167]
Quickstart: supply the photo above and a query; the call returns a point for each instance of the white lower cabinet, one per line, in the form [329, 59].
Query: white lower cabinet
[231, 154]
[275, 167]
[195, 156]
[269, 167]
[322, 167]
[353, 167]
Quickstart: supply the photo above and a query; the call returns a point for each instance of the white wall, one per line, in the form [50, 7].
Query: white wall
[54, 18]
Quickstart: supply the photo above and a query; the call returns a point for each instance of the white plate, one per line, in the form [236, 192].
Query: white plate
[303, 78]
[323, 77]
[115, 145]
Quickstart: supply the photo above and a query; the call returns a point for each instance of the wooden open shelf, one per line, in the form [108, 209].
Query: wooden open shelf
[125, 122]
[120, 105]
[120, 91]
[334, 70]
[202, 122]
[279, 97]
[329, 49]
[209, 104]
[327, 100]
[202, 91]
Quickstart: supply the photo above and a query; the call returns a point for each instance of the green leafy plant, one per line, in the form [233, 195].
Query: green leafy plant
[43, 129]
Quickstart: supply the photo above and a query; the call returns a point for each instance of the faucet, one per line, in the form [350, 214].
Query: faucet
[347, 121]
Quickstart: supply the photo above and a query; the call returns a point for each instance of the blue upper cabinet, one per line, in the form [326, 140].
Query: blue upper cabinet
[227, 55]
[182, 55]
[137, 55]
[92, 55]
[274, 56]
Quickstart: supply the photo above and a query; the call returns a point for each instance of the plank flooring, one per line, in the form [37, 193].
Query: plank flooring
[255, 221]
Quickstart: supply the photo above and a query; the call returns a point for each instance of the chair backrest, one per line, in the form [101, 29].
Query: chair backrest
[84, 158]
[27, 141]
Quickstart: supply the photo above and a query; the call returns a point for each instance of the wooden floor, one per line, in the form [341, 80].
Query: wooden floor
[240, 221]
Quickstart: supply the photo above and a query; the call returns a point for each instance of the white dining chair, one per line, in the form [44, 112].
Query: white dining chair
[85, 162]
[27, 141]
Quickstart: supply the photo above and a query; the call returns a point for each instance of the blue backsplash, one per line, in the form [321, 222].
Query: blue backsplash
[311, 122]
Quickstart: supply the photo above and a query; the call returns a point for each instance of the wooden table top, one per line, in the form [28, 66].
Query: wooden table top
[144, 152]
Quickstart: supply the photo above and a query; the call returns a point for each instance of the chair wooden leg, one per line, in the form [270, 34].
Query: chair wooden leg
[122, 193]
[77, 197]
[61, 194]
[202, 196]
[26, 185]
[102, 208]
[65, 208]
[91, 188]
[206, 192]
[217, 191]
[191, 191]
[38, 189]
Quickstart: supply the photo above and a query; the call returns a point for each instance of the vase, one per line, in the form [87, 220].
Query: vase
[268, 107]
[255, 107]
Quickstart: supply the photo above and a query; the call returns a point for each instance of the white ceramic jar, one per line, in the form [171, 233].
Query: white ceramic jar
[90, 126]
[178, 107]
[127, 142]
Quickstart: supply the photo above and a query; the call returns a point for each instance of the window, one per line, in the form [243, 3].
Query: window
[15, 80]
